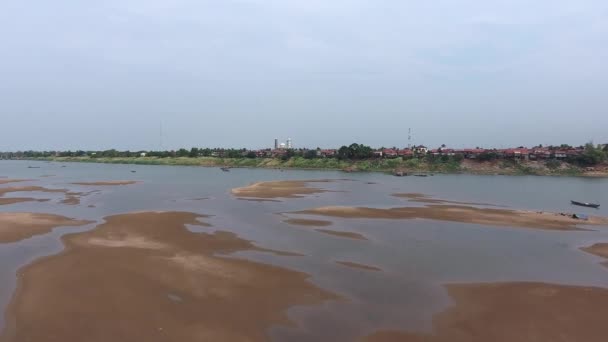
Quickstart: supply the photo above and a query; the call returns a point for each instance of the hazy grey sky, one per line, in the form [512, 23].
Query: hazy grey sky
[234, 73]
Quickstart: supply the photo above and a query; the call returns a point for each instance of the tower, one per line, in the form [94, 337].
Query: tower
[276, 144]
[409, 138]
[289, 143]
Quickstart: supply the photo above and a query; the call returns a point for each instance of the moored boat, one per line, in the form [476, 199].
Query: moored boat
[585, 204]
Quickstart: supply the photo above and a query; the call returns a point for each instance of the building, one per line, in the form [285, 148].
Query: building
[276, 143]
[288, 144]
[420, 149]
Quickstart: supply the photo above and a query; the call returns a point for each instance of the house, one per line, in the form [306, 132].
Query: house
[540, 153]
[377, 153]
[559, 154]
[420, 149]
[405, 153]
[389, 153]
[327, 153]
[517, 153]
[470, 153]
[279, 152]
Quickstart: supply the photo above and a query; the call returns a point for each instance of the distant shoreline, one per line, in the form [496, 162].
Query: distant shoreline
[407, 166]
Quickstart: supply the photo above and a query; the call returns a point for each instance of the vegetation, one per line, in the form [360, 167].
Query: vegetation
[355, 157]
[592, 155]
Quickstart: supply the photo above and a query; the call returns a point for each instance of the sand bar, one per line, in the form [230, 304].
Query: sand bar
[106, 183]
[308, 222]
[18, 226]
[145, 277]
[72, 198]
[522, 312]
[422, 198]
[465, 214]
[13, 200]
[358, 266]
[599, 249]
[7, 190]
[348, 235]
[279, 189]
[6, 181]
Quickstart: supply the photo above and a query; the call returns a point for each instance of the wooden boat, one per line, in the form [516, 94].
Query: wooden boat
[421, 175]
[225, 169]
[585, 204]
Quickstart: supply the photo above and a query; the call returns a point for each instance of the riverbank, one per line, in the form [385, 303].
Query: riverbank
[408, 166]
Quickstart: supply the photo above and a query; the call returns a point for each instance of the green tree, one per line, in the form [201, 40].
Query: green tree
[182, 152]
[310, 154]
[194, 152]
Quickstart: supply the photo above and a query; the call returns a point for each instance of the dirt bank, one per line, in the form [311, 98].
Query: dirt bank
[145, 277]
[495, 217]
[522, 312]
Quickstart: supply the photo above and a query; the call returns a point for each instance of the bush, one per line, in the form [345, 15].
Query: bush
[553, 164]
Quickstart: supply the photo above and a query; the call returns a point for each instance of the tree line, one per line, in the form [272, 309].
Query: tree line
[591, 155]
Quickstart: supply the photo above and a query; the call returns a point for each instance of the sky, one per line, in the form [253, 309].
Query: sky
[240, 73]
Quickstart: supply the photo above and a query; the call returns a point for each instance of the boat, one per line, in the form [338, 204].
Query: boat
[585, 204]
[399, 174]
[421, 175]
[225, 169]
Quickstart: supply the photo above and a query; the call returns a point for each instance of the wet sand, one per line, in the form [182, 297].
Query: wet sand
[348, 235]
[422, 198]
[308, 222]
[465, 214]
[145, 277]
[522, 312]
[279, 189]
[358, 266]
[106, 183]
[19, 226]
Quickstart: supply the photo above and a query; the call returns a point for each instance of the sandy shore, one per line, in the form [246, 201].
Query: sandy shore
[358, 266]
[279, 189]
[18, 226]
[145, 277]
[106, 183]
[509, 312]
[465, 214]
